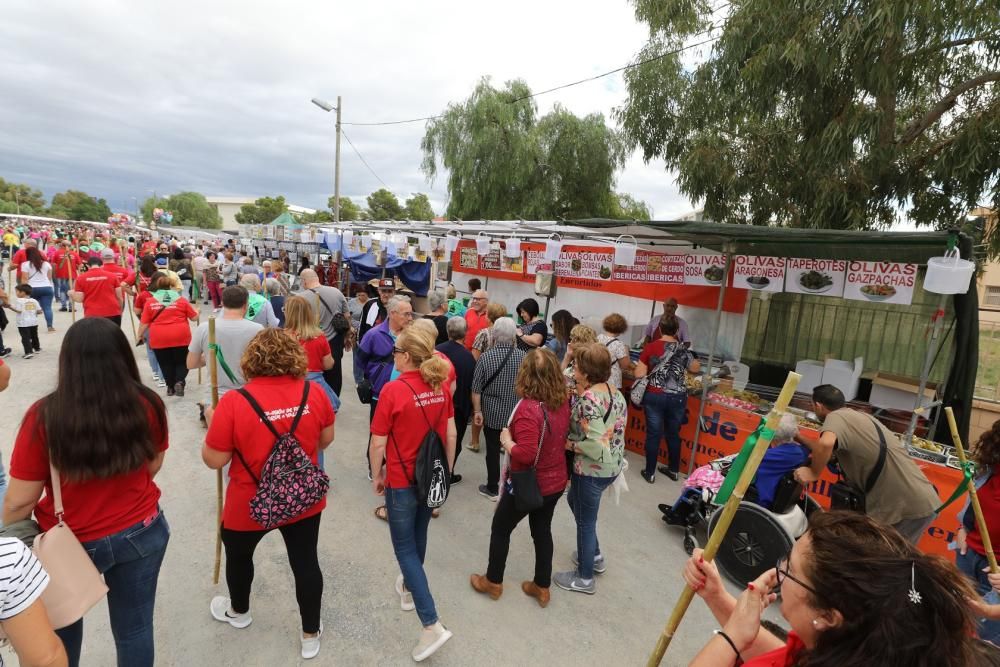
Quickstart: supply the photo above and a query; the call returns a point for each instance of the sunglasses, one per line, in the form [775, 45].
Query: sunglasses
[396, 350]
[782, 574]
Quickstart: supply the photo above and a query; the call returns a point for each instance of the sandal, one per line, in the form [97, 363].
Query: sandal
[382, 513]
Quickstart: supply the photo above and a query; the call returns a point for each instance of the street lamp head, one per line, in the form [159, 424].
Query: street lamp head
[325, 106]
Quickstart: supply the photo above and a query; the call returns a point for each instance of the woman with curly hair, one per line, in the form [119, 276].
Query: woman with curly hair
[970, 556]
[274, 365]
[854, 592]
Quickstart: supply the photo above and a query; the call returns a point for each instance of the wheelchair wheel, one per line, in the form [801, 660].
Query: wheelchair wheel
[754, 543]
[690, 543]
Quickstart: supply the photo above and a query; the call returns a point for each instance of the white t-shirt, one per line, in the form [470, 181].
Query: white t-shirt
[618, 350]
[22, 578]
[37, 278]
[27, 311]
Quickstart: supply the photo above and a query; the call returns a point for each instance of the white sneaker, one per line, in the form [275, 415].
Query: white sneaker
[161, 383]
[222, 610]
[405, 596]
[431, 639]
[310, 645]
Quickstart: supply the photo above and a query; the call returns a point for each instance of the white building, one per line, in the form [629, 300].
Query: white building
[228, 207]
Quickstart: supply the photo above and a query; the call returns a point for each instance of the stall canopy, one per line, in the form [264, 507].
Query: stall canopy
[912, 247]
[364, 266]
[286, 220]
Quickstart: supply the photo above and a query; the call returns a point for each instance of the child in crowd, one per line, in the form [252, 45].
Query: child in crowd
[27, 310]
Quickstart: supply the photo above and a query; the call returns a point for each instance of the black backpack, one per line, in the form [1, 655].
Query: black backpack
[431, 475]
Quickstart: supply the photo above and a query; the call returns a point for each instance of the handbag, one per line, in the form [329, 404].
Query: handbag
[638, 391]
[75, 585]
[844, 496]
[524, 483]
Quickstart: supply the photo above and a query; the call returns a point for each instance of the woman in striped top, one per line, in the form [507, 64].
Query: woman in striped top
[22, 614]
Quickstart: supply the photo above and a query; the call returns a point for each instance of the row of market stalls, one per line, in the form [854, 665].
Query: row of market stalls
[721, 275]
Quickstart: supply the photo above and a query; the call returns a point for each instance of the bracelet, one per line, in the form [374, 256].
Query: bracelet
[739, 658]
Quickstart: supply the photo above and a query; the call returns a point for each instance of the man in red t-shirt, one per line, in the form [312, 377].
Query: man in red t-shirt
[109, 260]
[100, 293]
[20, 257]
[475, 317]
[65, 262]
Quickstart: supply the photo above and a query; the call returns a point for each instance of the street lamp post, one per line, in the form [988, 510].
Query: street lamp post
[326, 106]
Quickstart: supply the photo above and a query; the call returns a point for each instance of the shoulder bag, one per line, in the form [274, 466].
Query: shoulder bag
[524, 483]
[339, 321]
[844, 496]
[639, 387]
[365, 390]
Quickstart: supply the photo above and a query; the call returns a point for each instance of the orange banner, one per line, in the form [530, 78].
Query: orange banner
[726, 429]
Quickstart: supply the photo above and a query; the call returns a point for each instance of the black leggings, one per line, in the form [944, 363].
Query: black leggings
[335, 376]
[492, 436]
[461, 423]
[505, 520]
[301, 539]
[173, 364]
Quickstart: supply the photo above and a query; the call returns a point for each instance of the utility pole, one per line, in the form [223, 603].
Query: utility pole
[336, 173]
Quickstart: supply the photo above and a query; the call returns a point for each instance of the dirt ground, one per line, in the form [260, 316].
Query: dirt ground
[363, 623]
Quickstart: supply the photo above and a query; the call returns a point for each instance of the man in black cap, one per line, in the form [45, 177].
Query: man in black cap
[374, 313]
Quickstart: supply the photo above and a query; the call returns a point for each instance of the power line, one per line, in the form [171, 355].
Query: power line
[567, 85]
[362, 158]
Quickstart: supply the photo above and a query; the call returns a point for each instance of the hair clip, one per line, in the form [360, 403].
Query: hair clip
[913, 594]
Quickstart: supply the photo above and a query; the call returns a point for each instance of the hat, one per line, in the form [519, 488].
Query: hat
[387, 283]
[107, 253]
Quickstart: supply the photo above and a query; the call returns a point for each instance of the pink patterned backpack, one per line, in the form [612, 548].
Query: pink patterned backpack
[289, 483]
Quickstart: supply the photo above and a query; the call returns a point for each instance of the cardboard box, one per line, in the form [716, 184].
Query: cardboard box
[896, 392]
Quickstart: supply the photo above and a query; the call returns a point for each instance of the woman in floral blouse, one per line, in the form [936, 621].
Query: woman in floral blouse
[597, 437]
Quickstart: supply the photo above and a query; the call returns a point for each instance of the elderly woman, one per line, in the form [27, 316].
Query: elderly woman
[532, 332]
[536, 439]
[259, 309]
[274, 365]
[482, 342]
[597, 437]
[165, 315]
[614, 326]
[579, 336]
[438, 304]
[273, 292]
[783, 457]
[493, 397]
[854, 593]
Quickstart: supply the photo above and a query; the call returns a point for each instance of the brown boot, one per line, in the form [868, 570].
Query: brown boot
[484, 585]
[532, 589]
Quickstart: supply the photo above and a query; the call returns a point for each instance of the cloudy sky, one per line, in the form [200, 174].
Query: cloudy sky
[121, 98]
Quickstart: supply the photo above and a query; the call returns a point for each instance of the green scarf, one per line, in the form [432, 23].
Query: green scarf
[166, 296]
[254, 305]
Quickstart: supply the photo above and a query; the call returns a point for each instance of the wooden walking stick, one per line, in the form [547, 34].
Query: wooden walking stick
[198, 322]
[984, 534]
[72, 280]
[213, 374]
[728, 511]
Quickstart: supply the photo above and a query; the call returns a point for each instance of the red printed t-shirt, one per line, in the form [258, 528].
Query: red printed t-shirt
[171, 327]
[99, 298]
[399, 413]
[124, 275]
[65, 269]
[989, 500]
[235, 425]
[475, 323]
[316, 348]
[94, 508]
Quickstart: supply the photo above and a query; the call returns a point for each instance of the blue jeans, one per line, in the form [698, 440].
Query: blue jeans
[130, 562]
[584, 500]
[151, 356]
[44, 297]
[971, 565]
[408, 521]
[664, 416]
[62, 291]
[316, 377]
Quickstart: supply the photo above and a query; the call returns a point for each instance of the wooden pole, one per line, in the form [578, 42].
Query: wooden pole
[984, 534]
[72, 280]
[213, 374]
[728, 511]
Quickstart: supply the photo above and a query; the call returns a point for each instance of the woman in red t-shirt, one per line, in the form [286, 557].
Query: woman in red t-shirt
[106, 468]
[142, 297]
[407, 407]
[274, 366]
[536, 438]
[165, 315]
[854, 593]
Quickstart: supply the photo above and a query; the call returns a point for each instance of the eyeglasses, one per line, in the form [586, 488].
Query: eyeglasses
[408, 315]
[396, 350]
[782, 574]
[478, 298]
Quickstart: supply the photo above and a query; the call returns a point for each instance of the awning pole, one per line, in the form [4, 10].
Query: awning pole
[928, 361]
[707, 374]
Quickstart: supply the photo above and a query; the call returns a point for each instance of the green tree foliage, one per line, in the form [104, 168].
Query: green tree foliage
[627, 207]
[825, 114]
[190, 209]
[383, 205]
[319, 217]
[418, 207]
[31, 200]
[90, 208]
[348, 209]
[262, 211]
[503, 162]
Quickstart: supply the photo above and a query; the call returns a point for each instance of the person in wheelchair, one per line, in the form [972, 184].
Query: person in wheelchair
[776, 469]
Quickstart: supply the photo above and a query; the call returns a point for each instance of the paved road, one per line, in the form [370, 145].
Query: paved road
[364, 625]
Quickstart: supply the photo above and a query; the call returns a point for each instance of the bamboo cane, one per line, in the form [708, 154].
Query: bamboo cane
[984, 534]
[213, 374]
[728, 511]
[72, 280]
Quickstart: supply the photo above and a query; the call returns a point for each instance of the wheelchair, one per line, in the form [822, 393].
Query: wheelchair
[757, 538]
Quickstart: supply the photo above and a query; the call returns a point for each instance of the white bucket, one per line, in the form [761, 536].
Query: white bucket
[483, 244]
[949, 274]
[553, 247]
[625, 252]
[426, 243]
[366, 241]
[348, 238]
[451, 242]
[513, 247]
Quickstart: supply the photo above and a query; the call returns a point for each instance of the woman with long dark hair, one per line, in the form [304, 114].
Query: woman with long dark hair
[37, 272]
[854, 592]
[106, 449]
